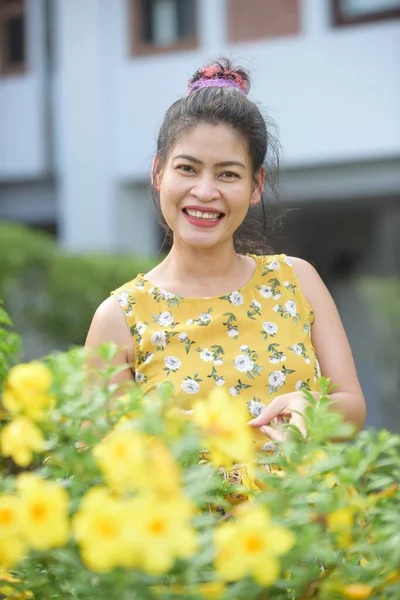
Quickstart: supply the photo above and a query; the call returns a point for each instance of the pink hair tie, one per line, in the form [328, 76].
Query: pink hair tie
[217, 77]
[203, 83]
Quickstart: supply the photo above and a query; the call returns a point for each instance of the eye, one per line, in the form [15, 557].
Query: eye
[229, 175]
[185, 169]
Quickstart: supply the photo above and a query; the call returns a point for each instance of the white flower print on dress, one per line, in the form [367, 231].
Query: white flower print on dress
[290, 307]
[243, 363]
[220, 381]
[277, 296]
[277, 379]
[300, 350]
[255, 407]
[244, 347]
[273, 265]
[126, 301]
[139, 377]
[123, 298]
[218, 362]
[159, 339]
[289, 310]
[151, 290]
[233, 332]
[212, 355]
[172, 363]
[256, 304]
[141, 327]
[182, 337]
[165, 319]
[190, 386]
[166, 295]
[149, 358]
[270, 328]
[189, 322]
[206, 355]
[288, 261]
[236, 299]
[236, 389]
[266, 291]
[205, 318]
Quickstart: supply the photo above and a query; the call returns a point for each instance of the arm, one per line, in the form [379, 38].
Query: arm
[331, 345]
[334, 356]
[109, 325]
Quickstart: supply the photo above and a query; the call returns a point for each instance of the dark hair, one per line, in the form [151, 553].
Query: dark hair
[227, 105]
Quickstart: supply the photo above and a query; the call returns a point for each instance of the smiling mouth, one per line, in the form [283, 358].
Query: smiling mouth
[203, 215]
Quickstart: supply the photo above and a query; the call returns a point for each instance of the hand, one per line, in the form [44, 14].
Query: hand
[287, 406]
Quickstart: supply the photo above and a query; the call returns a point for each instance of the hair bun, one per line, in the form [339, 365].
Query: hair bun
[220, 74]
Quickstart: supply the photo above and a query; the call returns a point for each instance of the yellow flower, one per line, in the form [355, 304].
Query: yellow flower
[27, 390]
[357, 591]
[12, 548]
[44, 512]
[224, 429]
[250, 545]
[20, 439]
[162, 532]
[121, 458]
[130, 460]
[340, 523]
[100, 528]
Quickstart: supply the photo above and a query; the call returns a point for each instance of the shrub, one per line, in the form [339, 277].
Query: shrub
[55, 293]
[129, 497]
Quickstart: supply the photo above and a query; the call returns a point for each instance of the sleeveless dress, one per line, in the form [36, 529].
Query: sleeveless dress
[255, 341]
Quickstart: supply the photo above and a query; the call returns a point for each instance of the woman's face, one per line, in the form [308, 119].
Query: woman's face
[207, 186]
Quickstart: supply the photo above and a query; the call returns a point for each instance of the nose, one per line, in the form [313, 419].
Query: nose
[205, 189]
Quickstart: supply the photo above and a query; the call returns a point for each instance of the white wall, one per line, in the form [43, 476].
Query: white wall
[335, 93]
[23, 125]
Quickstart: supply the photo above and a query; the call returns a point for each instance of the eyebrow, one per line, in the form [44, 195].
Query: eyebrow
[224, 163]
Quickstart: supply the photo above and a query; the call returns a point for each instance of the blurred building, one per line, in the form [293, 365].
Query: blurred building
[84, 86]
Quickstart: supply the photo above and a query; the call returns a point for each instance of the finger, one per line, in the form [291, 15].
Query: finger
[270, 412]
[273, 434]
[298, 420]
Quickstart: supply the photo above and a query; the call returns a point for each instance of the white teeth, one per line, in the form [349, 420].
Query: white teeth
[198, 214]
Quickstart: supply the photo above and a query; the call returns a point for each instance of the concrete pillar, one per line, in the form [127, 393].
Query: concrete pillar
[136, 221]
[84, 144]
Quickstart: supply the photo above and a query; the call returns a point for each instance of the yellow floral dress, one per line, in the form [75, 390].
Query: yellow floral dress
[255, 341]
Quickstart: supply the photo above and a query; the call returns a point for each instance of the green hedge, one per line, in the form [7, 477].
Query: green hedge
[46, 289]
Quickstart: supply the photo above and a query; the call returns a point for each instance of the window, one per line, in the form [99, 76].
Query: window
[12, 37]
[163, 25]
[349, 12]
[250, 20]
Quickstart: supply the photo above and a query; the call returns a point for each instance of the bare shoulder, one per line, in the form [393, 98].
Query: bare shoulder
[109, 325]
[310, 281]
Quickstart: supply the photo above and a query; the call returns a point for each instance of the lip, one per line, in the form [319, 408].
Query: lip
[202, 223]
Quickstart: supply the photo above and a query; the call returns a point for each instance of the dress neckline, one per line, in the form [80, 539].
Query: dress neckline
[151, 287]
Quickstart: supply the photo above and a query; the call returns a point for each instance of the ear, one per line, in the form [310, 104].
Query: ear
[258, 187]
[155, 174]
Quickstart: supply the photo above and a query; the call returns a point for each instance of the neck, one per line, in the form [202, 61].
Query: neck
[194, 265]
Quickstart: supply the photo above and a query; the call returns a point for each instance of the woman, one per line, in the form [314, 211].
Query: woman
[260, 326]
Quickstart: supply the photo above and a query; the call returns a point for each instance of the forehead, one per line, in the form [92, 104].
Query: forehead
[212, 143]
